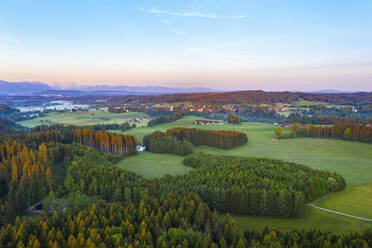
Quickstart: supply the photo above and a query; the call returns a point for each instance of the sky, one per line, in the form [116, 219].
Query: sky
[219, 44]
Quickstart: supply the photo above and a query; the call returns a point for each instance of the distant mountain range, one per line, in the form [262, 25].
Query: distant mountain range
[38, 88]
[143, 89]
[22, 88]
[329, 91]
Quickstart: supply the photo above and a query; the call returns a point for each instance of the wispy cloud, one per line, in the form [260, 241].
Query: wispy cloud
[216, 54]
[174, 30]
[192, 14]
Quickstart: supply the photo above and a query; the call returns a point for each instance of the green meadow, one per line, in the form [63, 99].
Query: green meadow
[313, 219]
[356, 201]
[84, 118]
[143, 164]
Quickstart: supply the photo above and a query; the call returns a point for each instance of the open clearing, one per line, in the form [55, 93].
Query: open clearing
[354, 200]
[84, 118]
[143, 164]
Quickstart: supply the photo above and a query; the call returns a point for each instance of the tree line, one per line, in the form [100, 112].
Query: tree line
[254, 97]
[248, 186]
[352, 132]
[181, 140]
[221, 139]
[159, 142]
[124, 145]
[164, 119]
[324, 120]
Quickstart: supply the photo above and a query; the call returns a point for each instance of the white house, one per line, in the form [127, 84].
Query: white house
[140, 148]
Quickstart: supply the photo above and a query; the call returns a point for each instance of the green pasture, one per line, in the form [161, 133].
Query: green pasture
[313, 219]
[356, 201]
[143, 164]
[85, 118]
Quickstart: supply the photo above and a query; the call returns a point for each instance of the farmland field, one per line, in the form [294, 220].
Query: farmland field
[84, 118]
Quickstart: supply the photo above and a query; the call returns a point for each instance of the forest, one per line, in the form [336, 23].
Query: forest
[324, 120]
[167, 221]
[158, 142]
[351, 132]
[249, 186]
[199, 137]
[255, 97]
[124, 145]
[40, 162]
[123, 209]
[164, 119]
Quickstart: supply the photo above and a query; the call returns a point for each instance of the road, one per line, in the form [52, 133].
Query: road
[339, 213]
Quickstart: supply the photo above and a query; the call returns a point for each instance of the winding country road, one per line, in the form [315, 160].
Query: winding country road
[339, 213]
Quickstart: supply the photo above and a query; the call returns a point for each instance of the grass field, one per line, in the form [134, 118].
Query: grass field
[143, 164]
[313, 219]
[84, 118]
[354, 200]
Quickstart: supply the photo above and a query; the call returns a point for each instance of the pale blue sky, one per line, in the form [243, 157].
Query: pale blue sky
[271, 45]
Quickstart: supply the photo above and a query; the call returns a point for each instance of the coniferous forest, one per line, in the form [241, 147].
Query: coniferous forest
[166, 221]
[163, 119]
[173, 211]
[351, 132]
[259, 187]
[198, 137]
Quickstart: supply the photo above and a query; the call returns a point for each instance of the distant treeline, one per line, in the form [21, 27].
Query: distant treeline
[163, 119]
[305, 119]
[353, 132]
[116, 110]
[249, 186]
[257, 97]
